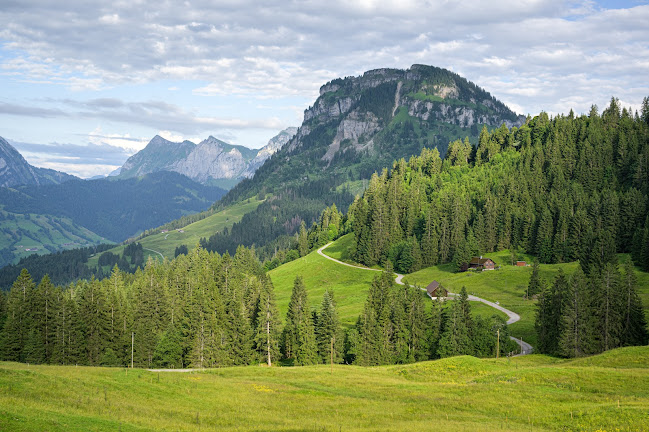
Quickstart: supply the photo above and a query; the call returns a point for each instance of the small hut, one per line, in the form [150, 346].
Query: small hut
[434, 289]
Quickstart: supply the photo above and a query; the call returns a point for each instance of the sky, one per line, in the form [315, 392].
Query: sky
[84, 85]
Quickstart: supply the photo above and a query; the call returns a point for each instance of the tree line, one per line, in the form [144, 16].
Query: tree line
[207, 310]
[583, 315]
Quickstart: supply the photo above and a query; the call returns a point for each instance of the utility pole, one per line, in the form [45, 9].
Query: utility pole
[332, 355]
[132, 343]
[498, 345]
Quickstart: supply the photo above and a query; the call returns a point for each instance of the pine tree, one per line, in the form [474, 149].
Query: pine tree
[267, 330]
[329, 335]
[634, 324]
[535, 285]
[577, 337]
[17, 325]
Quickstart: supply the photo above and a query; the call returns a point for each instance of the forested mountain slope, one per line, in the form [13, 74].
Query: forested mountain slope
[357, 126]
[563, 189]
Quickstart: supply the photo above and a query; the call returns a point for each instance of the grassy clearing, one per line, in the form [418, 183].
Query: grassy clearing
[456, 394]
[349, 285]
[507, 285]
[166, 243]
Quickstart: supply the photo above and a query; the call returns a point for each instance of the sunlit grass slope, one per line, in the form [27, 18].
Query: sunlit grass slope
[349, 285]
[166, 243]
[609, 392]
[506, 286]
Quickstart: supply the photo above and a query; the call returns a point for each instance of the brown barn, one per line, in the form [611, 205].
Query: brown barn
[480, 263]
[521, 263]
[434, 289]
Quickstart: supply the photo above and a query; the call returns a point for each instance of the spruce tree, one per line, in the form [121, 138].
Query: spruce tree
[578, 335]
[634, 324]
[299, 333]
[329, 335]
[535, 285]
[455, 339]
[267, 333]
[608, 308]
[17, 325]
[168, 351]
[549, 315]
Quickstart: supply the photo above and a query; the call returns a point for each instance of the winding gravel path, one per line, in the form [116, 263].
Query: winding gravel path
[513, 316]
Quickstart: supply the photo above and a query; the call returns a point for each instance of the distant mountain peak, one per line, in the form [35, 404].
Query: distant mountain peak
[210, 159]
[15, 170]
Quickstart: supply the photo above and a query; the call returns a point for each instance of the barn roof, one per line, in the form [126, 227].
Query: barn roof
[432, 287]
[480, 260]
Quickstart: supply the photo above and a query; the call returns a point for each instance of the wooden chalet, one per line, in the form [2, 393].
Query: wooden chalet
[480, 263]
[521, 263]
[434, 289]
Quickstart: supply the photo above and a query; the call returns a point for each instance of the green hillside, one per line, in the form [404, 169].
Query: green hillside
[506, 286]
[22, 235]
[606, 392]
[349, 285]
[165, 243]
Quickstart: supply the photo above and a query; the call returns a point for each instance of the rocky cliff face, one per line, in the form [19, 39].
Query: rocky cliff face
[365, 110]
[274, 145]
[14, 170]
[211, 159]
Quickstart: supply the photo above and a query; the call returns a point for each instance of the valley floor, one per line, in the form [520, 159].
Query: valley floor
[608, 392]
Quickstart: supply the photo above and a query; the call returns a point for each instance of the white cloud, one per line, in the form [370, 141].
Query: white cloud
[536, 54]
[127, 142]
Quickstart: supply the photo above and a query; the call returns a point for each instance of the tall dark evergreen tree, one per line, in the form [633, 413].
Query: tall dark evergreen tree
[267, 334]
[549, 322]
[634, 323]
[578, 335]
[329, 335]
[17, 324]
[299, 333]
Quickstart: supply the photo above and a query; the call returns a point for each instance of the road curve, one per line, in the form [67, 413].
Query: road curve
[513, 316]
[155, 251]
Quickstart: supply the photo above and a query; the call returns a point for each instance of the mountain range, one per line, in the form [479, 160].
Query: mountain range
[357, 126]
[209, 161]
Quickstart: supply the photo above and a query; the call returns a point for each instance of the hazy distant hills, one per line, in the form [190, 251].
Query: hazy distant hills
[210, 160]
[14, 169]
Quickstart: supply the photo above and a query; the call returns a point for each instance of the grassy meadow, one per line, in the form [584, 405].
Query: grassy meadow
[507, 286]
[165, 243]
[609, 392]
[20, 232]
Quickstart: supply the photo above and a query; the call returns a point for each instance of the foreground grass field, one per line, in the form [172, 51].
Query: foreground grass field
[609, 392]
